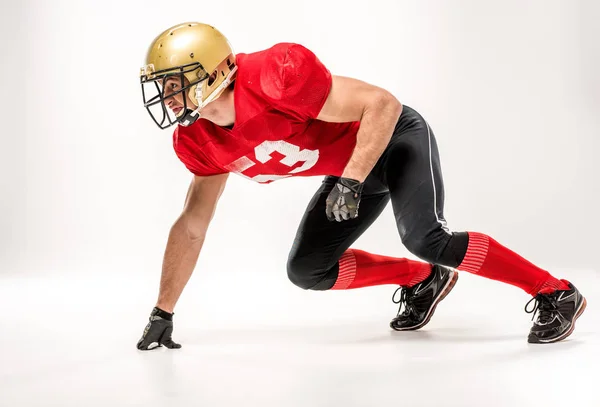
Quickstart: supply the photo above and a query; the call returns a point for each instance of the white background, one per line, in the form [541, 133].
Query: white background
[90, 186]
[510, 88]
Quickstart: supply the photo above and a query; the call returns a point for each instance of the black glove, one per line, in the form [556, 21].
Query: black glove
[343, 200]
[158, 331]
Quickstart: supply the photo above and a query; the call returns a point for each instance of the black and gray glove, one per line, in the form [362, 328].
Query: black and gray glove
[158, 331]
[343, 200]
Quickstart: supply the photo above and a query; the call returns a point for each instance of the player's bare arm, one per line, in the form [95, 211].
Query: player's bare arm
[185, 241]
[376, 109]
[187, 237]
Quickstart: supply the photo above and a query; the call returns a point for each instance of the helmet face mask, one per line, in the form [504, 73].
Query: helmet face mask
[199, 59]
[155, 93]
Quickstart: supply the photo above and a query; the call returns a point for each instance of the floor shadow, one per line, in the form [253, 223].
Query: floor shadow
[353, 334]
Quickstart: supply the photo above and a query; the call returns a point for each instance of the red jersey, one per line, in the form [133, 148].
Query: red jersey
[278, 94]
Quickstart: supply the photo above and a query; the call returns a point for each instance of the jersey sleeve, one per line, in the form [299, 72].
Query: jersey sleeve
[192, 158]
[295, 81]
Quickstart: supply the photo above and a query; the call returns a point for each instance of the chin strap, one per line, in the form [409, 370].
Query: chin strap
[190, 116]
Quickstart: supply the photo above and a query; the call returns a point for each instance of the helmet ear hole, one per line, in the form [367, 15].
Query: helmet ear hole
[212, 78]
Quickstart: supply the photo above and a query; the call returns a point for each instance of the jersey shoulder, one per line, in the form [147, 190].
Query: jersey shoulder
[288, 76]
[280, 64]
[274, 54]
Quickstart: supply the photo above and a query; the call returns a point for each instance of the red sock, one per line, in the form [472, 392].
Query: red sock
[362, 269]
[488, 258]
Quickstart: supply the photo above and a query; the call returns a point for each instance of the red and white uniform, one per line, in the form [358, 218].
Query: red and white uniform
[278, 94]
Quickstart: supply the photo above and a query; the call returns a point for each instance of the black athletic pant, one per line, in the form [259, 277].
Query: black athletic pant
[408, 173]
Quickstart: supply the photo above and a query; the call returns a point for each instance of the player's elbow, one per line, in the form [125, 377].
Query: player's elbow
[384, 102]
[194, 227]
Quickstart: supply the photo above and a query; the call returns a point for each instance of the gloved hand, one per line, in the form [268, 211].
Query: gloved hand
[343, 200]
[158, 331]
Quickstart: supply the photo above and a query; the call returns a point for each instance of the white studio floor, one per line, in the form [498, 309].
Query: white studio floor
[255, 340]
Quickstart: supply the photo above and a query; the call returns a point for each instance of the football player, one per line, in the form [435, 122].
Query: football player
[279, 113]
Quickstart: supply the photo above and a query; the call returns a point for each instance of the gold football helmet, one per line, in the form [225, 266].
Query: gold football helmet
[199, 57]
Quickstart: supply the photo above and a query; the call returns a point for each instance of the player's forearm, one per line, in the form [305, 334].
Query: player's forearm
[180, 259]
[376, 128]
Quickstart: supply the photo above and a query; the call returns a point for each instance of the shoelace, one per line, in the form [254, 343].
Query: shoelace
[405, 300]
[546, 305]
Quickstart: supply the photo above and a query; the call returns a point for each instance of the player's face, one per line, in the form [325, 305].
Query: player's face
[175, 102]
[220, 111]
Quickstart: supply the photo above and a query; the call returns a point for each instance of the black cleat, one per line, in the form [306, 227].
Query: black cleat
[557, 313]
[421, 299]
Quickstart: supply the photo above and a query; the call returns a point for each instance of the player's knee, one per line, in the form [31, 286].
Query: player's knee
[310, 273]
[301, 273]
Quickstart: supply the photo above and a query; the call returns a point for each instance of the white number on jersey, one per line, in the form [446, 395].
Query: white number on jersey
[292, 155]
